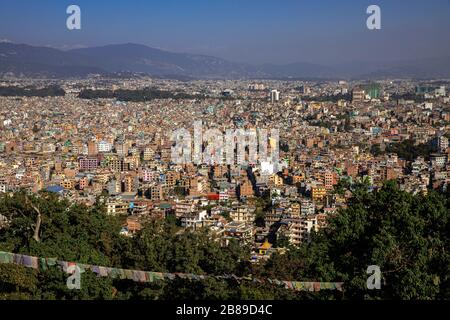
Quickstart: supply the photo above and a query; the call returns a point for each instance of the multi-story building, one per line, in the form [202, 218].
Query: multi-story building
[318, 193]
[307, 208]
[92, 148]
[246, 189]
[194, 220]
[157, 192]
[88, 164]
[104, 146]
[67, 183]
[358, 95]
[244, 214]
[117, 207]
[438, 160]
[238, 230]
[149, 154]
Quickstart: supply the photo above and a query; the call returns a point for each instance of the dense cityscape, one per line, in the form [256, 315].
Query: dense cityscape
[331, 134]
[336, 137]
[216, 159]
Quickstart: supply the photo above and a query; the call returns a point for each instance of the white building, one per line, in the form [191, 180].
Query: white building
[307, 208]
[440, 91]
[194, 220]
[104, 146]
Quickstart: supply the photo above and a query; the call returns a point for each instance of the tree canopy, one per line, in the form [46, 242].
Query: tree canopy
[406, 235]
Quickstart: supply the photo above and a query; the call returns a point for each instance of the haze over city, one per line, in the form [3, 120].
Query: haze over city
[264, 31]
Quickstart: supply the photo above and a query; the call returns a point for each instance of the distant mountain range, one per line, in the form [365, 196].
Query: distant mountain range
[23, 60]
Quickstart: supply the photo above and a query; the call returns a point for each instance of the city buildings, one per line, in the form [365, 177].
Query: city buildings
[120, 153]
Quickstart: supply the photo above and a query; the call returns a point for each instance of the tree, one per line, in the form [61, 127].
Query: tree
[17, 282]
[405, 235]
[409, 151]
[375, 150]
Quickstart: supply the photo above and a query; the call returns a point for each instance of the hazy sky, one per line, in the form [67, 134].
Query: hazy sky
[254, 31]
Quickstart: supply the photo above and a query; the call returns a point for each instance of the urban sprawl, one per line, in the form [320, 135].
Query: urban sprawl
[118, 152]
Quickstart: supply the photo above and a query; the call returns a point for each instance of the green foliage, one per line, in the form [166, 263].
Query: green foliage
[408, 150]
[406, 235]
[375, 150]
[147, 94]
[17, 282]
[69, 232]
[344, 184]
[159, 247]
[51, 91]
